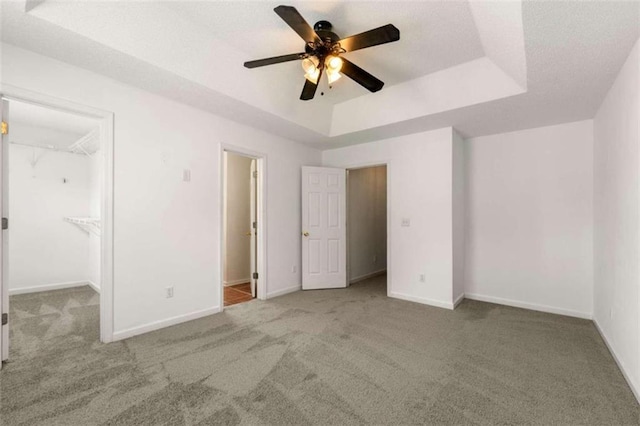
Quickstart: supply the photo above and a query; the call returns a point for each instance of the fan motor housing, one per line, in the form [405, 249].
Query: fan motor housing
[323, 29]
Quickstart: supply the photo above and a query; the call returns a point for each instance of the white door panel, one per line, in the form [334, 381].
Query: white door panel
[323, 228]
[4, 242]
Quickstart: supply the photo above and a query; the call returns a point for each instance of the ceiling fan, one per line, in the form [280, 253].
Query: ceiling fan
[323, 50]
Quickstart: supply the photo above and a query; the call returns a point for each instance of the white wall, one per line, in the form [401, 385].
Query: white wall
[44, 250]
[367, 211]
[616, 239]
[419, 179]
[237, 193]
[529, 221]
[168, 232]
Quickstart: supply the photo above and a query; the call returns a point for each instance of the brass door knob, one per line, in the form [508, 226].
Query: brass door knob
[305, 233]
[248, 234]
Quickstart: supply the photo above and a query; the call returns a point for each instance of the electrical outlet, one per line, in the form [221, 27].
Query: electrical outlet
[294, 269]
[406, 222]
[422, 278]
[169, 292]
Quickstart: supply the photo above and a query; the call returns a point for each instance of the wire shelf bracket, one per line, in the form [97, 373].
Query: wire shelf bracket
[90, 225]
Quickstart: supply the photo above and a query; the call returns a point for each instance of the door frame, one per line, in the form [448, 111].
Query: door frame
[261, 218]
[367, 165]
[253, 218]
[106, 123]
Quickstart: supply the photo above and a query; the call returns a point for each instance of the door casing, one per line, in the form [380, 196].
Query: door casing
[367, 166]
[253, 218]
[261, 219]
[385, 162]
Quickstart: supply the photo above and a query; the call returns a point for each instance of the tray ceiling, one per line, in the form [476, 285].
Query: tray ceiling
[456, 64]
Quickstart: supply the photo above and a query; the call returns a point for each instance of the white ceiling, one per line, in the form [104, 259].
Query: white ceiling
[543, 62]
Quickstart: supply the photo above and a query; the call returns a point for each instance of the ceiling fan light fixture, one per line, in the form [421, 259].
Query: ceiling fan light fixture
[333, 76]
[333, 63]
[313, 76]
[322, 52]
[310, 64]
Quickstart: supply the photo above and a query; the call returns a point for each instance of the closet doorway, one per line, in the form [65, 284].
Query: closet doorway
[53, 204]
[367, 227]
[240, 228]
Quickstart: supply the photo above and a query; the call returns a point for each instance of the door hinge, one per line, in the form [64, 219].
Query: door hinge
[5, 128]
[5, 319]
[255, 174]
[255, 275]
[5, 223]
[255, 225]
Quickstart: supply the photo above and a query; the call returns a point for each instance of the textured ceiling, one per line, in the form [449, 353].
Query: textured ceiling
[563, 55]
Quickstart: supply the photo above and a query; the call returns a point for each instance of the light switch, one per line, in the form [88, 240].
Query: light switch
[186, 175]
[406, 221]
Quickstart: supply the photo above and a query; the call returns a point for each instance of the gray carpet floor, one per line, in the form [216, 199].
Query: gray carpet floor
[340, 357]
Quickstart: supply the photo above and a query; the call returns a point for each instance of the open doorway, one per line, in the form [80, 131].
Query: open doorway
[52, 199]
[240, 228]
[367, 227]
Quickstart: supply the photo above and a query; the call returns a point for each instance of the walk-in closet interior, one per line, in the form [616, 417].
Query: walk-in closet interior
[54, 204]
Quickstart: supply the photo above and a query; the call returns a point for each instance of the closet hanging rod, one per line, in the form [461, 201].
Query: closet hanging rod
[49, 147]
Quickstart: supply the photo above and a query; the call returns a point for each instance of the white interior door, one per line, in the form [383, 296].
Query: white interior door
[4, 240]
[324, 254]
[253, 182]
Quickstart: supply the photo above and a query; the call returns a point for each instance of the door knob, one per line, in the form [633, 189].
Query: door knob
[305, 233]
[248, 234]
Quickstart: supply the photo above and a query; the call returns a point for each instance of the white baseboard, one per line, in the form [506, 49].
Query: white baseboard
[458, 300]
[530, 306]
[94, 286]
[634, 388]
[234, 282]
[47, 287]
[156, 325]
[283, 291]
[423, 300]
[367, 276]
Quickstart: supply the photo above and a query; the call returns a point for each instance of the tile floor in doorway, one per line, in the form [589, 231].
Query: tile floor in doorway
[238, 293]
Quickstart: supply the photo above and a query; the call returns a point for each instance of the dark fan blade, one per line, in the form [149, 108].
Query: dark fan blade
[385, 34]
[274, 60]
[360, 76]
[293, 18]
[309, 89]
